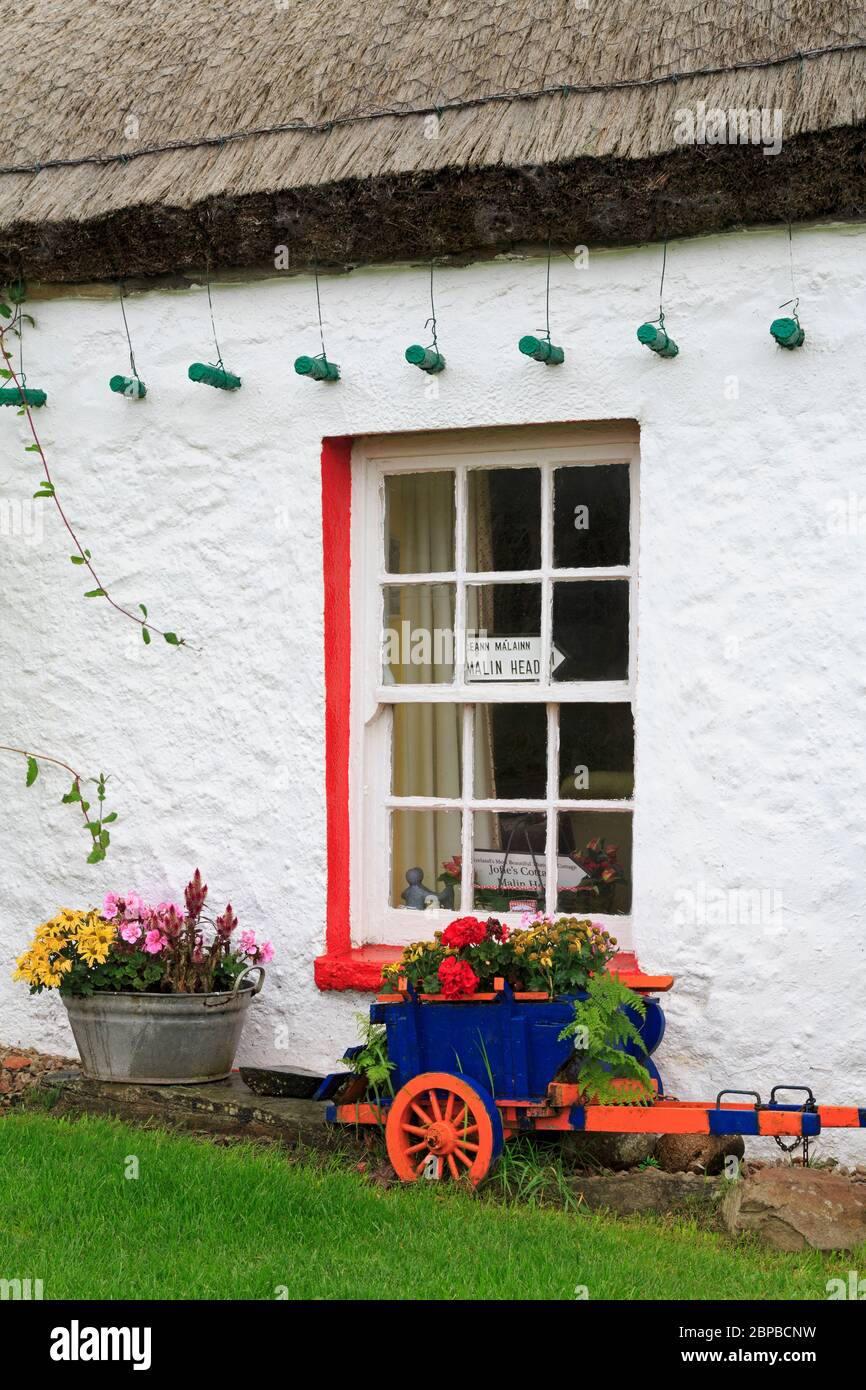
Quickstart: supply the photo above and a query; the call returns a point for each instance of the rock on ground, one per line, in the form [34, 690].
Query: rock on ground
[679, 1153]
[21, 1069]
[607, 1150]
[792, 1208]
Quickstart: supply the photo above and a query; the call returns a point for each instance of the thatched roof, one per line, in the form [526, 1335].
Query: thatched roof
[144, 138]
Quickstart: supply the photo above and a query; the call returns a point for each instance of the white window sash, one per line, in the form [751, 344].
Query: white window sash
[371, 800]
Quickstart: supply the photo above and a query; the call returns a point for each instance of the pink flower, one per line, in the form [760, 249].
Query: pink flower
[264, 953]
[109, 907]
[133, 904]
[130, 932]
[248, 943]
[154, 942]
[165, 908]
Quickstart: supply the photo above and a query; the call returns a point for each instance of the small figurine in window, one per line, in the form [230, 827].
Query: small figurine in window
[419, 896]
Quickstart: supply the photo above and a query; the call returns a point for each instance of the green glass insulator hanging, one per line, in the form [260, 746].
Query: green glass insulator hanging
[12, 395]
[788, 333]
[653, 336]
[317, 368]
[214, 376]
[428, 359]
[540, 350]
[131, 386]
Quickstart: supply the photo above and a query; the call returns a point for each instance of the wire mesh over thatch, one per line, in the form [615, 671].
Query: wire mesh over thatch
[145, 138]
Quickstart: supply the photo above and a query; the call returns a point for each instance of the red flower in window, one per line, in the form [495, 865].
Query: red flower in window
[464, 931]
[496, 930]
[457, 977]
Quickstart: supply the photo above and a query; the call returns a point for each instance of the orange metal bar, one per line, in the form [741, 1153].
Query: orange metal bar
[780, 1122]
[839, 1116]
[646, 1119]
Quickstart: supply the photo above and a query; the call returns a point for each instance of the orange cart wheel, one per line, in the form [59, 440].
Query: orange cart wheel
[437, 1115]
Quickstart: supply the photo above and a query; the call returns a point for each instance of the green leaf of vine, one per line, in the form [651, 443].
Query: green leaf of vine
[32, 771]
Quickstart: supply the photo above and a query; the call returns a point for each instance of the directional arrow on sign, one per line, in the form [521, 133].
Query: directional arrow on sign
[556, 659]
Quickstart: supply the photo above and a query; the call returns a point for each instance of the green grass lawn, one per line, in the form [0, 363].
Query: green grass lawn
[209, 1222]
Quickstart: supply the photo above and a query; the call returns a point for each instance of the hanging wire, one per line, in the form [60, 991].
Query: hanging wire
[219, 361]
[431, 322]
[547, 295]
[324, 355]
[126, 327]
[795, 298]
[662, 283]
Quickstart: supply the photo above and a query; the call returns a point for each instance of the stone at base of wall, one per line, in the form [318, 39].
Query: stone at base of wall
[792, 1208]
[650, 1191]
[220, 1108]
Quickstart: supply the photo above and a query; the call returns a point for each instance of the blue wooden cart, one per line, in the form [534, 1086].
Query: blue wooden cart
[469, 1074]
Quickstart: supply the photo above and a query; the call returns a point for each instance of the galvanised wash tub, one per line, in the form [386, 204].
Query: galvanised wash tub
[164, 1039]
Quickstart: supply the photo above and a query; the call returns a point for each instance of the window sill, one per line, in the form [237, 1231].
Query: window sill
[361, 969]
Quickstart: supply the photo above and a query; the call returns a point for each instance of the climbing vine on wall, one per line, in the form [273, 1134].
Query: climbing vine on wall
[95, 815]
[12, 320]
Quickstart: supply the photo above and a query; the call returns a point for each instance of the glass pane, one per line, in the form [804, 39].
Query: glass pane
[427, 750]
[503, 519]
[511, 752]
[590, 516]
[419, 523]
[594, 858]
[508, 861]
[590, 630]
[503, 632]
[596, 752]
[425, 859]
[418, 641]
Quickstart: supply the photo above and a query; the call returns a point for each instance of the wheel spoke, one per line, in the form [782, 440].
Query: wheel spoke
[421, 1113]
[413, 1129]
[449, 1104]
[453, 1166]
[464, 1158]
[415, 1148]
[434, 1105]
[466, 1144]
[462, 1127]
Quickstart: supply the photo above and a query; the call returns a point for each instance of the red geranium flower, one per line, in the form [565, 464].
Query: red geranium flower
[457, 978]
[496, 930]
[464, 931]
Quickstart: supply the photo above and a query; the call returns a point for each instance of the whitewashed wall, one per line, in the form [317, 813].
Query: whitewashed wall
[206, 507]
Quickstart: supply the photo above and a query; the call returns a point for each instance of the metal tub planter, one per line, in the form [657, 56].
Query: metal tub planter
[162, 1039]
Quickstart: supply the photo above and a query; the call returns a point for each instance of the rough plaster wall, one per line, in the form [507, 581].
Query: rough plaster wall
[206, 506]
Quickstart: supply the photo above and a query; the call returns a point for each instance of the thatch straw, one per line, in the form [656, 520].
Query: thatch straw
[583, 90]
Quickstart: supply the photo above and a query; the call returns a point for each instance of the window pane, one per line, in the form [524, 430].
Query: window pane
[425, 859]
[419, 523]
[511, 752]
[427, 750]
[594, 858]
[418, 645]
[508, 862]
[503, 632]
[590, 630]
[590, 516]
[503, 519]
[596, 752]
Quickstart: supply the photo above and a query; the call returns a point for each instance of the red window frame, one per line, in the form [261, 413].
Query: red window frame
[340, 967]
